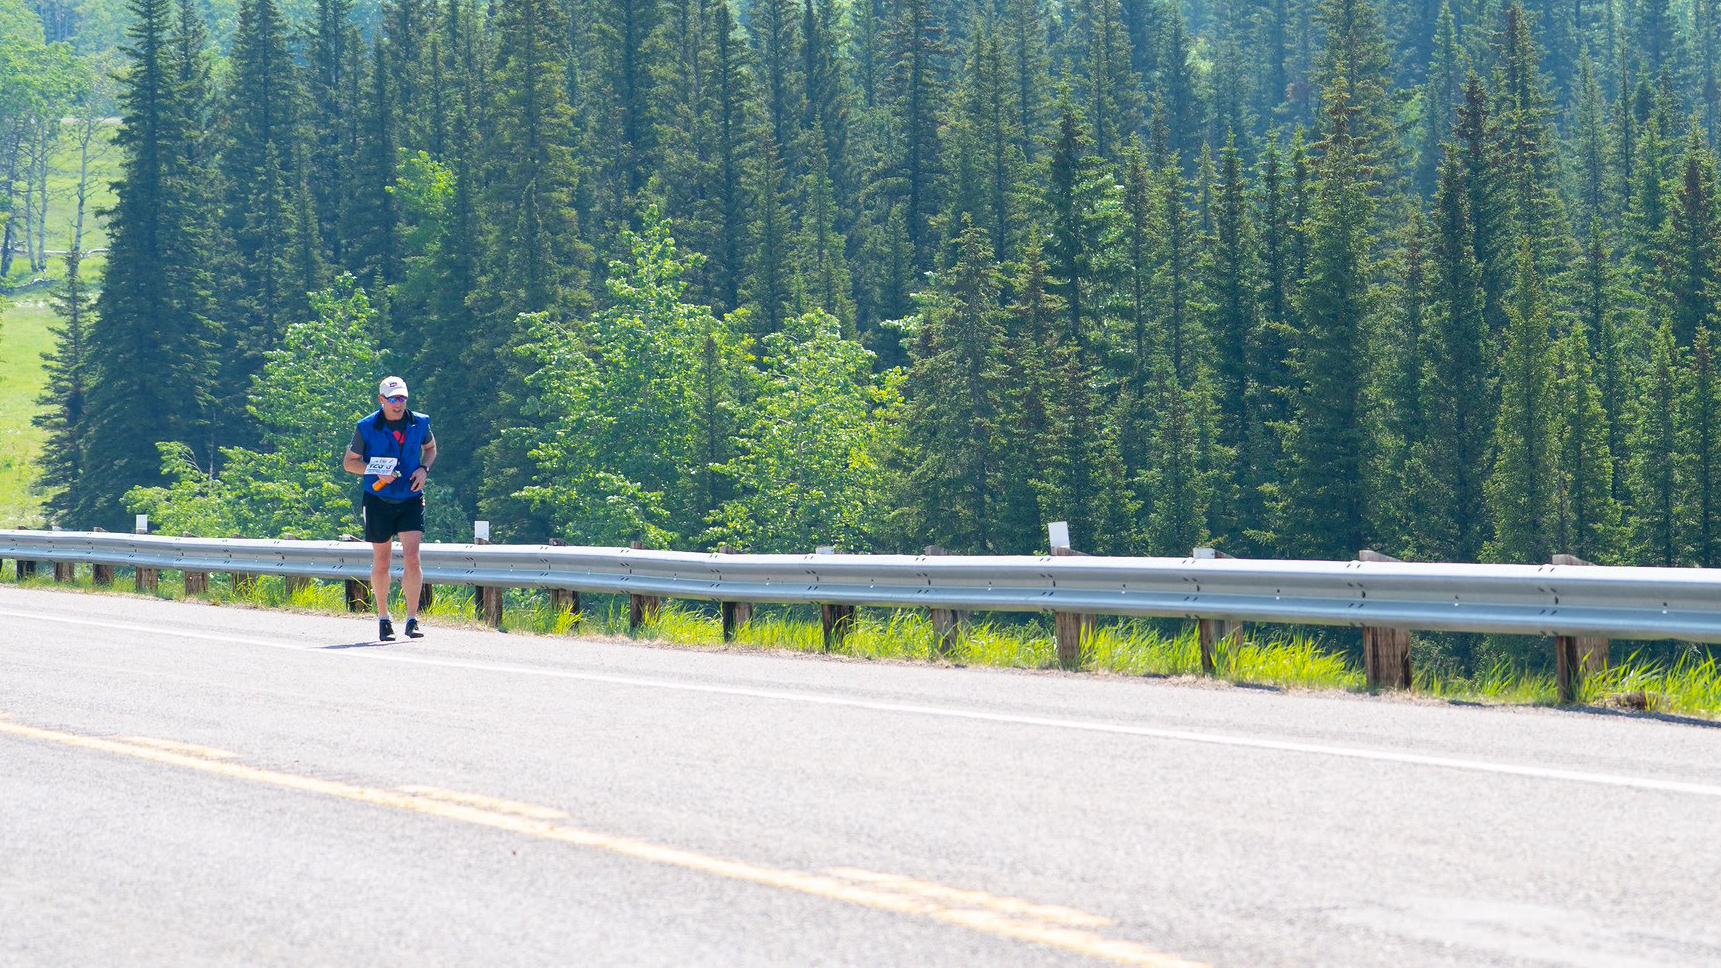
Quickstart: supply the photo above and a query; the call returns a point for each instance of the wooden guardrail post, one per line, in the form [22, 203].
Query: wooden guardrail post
[948, 623]
[244, 583]
[1209, 632]
[1576, 655]
[144, 579]
[292, 583]
[101, 576]
[359, 596]
[838, 620]
[1068, 628]
[196, 582]
[642, 608]
[1385, 652]
[735, 614]
[64, 571]
[489, 600]
[564, 598]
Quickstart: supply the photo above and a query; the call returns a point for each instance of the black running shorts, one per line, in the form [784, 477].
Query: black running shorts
[385, 519]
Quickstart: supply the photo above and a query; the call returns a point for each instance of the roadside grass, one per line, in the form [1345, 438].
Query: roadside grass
[1688, 685]
[24, 337]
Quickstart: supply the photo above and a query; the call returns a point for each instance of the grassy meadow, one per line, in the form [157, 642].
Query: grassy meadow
[24, 337]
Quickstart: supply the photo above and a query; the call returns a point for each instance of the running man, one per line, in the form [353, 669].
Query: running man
[393, 450]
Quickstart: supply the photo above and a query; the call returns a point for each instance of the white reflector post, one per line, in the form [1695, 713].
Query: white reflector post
[1059, 532]
[143, 524]
[480, 531]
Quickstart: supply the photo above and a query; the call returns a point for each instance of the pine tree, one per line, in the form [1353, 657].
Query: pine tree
[917, 83]
[328, 116]
[1527, 144]
[1185, 115]
[1233, 323]
[1656, 40]
[1029, 323]
[1271, 379]
[1080, 199]
[953, 425]
[534, 259]
[153, 338]
[1440, 99]
[373, 253]
[1449, 461]
[1655, 506]
[404, 46]
[1602, 316]
[1083, 477]
[1585, 512]
[770, 286]
[1178, 484]
[824, 269]
[1487, 202]
[1397, 383]
[65, 416]
[1324, 512]
[1590, 137]
[262, 289]
[1357, 61]
[628, 54]
[1689, 253]
[732, 140]
[1113, 91]
[987, 128]
[1024, 47]
[775, 28]
[1698, 418]
[1519, 493]
[827, 105]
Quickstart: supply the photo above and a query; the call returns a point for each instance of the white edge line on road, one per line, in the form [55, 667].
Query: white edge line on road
[947, 712]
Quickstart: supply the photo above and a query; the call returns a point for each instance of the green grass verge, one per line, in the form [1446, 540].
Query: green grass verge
[24, 337]
[1689, 685]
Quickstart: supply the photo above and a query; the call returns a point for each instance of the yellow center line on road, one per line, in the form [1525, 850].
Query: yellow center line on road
[975, 910]
[979, 899]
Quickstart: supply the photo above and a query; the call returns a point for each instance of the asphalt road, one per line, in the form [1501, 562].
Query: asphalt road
[184, 784]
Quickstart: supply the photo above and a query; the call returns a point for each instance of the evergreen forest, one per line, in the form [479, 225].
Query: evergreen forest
[1290, 278]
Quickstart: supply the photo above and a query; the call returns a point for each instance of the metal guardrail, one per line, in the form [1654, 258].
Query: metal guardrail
[1562, 600]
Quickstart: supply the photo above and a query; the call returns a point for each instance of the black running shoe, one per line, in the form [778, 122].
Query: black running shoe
[412, 629]
[384, 630]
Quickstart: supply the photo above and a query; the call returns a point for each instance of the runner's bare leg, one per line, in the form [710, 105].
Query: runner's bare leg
[413, 578]
[379, 574]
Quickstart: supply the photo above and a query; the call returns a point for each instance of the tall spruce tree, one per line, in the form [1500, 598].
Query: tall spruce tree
[535, 260]
[154, 335]
[262, 289]
[1688, 254]
[1520, 499]
[1587, 521]
[955, 390]
[69, 373]
[1324, 511]
[1449, 462]
[1698, 419]
[1655, 504]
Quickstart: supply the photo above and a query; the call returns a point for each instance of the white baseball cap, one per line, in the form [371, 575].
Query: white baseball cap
[391, 386]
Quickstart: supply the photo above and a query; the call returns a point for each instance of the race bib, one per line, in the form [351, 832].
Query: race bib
[382, 466]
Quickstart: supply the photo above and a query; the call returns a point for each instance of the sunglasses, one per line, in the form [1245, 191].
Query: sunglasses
[395, 399]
